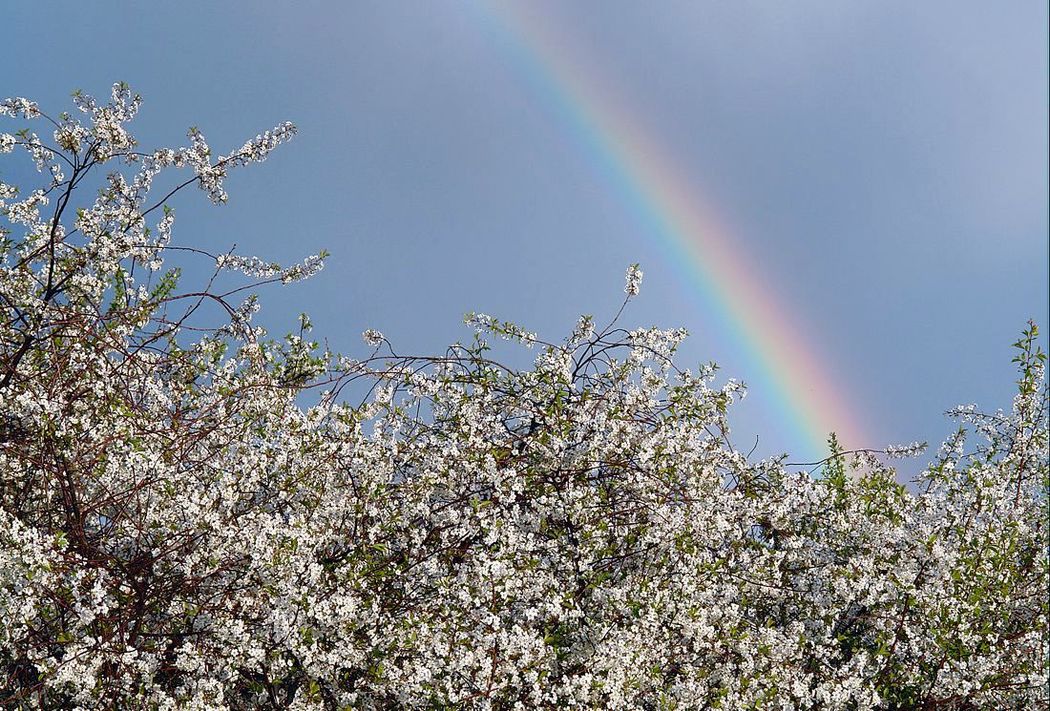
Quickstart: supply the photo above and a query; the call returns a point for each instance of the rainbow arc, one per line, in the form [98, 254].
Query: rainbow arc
[673, 212]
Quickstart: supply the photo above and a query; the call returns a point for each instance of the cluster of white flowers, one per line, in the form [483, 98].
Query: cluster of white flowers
[661, 343]
[257, 149]
[583, 332]
[633, 284]
[250, 266]
[255, 267]
[181, 528]
[108, 135]
[41, 155]
[504, 329]
[372, 338]
[906, 451]
[24, 212]
[17, 106]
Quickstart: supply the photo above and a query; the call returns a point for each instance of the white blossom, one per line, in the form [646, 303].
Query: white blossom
[906, 451]
[198, 515]
[372, 337]
[633, 283]
[17, 106]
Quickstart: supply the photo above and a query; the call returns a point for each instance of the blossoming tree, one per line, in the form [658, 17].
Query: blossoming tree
[196, 515]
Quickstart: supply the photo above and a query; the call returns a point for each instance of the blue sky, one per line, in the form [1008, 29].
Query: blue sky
[885, 164]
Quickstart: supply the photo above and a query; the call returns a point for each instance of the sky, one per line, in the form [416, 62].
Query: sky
[844, 203]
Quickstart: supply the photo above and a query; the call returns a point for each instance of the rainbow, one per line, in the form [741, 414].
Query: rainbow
[673, 213]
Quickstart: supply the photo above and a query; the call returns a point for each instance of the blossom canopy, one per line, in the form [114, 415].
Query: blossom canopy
[194, 514]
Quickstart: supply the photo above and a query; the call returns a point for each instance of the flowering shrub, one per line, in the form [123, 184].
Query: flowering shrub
[180, 530]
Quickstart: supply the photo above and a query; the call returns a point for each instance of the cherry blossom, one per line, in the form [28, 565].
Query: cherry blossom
[195, 514]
